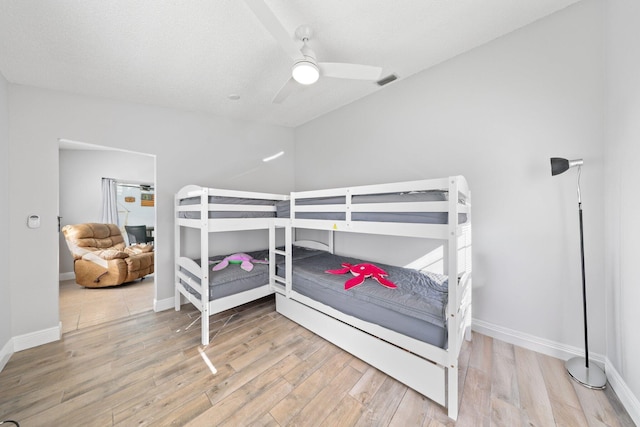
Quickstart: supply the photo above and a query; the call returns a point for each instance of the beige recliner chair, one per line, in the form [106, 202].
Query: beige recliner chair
[101, 257]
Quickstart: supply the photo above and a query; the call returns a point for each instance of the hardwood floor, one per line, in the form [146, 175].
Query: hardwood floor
[262, 369]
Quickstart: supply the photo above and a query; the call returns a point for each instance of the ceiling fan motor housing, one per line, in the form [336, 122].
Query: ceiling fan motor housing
[305, 71]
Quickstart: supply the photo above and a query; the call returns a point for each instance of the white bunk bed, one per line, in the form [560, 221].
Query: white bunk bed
[211, 210]
[380, 209]
[438, 209]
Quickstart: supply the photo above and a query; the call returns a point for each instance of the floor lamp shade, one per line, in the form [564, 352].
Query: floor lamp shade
[587, 374]
[560, 165]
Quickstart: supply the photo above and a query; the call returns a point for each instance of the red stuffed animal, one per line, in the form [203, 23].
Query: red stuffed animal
[361, 272]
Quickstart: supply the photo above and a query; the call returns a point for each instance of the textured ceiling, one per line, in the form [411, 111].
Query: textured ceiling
[193, 54]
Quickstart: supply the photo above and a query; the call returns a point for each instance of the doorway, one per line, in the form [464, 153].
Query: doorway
[81, 169]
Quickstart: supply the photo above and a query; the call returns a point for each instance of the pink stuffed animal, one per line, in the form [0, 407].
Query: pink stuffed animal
[361, 272]
[244, 260]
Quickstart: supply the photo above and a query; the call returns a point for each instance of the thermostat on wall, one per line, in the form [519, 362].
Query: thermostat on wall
[33, 221]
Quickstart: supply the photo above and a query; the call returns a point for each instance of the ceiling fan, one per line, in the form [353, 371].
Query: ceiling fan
[306, 69]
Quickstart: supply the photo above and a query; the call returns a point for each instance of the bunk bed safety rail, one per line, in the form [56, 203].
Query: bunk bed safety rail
[193, 268]
[250, 201]
[190, 191]
[400, 207]
[381, 207]
[191, 281]
[188, 264]
[419, 203]
[347, 200]
[219, 207]
[224, 207]
[398, 187]
[395, 187]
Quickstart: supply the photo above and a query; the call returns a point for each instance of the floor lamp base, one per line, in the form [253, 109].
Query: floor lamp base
[591, 377]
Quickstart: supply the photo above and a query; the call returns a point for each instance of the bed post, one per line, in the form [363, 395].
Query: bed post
[452, 398]
[468, 259]
[332, 235]
[272, 255]
[204, 264]
[176, 252]
[288, 264]
[452, 321]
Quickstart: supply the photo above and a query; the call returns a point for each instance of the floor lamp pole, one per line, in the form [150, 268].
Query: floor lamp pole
[578, 367]
[584, 290]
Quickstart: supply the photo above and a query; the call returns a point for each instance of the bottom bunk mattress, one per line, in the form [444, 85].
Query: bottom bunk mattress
[232, 279]
[416, 308]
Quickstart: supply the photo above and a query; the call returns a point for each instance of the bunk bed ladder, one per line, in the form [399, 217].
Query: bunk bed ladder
[278, 283]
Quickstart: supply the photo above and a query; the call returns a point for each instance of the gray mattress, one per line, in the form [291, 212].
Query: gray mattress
[284, 208]
[416, 308]
[232, 279]
[228, 214]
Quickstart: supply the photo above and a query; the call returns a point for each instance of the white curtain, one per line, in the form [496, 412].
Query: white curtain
[109, 201]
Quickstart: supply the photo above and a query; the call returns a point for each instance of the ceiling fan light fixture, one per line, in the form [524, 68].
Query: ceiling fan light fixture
[305, 72]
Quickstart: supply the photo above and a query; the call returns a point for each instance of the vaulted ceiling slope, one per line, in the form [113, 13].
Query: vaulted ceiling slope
[193, 55]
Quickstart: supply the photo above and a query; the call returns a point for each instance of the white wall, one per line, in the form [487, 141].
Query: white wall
[622, 142]
[5, 290]
[190, 148]
[496, 115]
[81, 173]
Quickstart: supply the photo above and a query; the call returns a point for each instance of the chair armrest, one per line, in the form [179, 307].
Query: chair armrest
[90, 256]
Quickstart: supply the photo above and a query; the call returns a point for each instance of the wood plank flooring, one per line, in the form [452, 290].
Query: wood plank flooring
[261, 369]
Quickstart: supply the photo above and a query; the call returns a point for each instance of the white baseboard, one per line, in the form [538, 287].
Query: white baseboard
[34, 339]
[163, 304]
[5, 354]
[626, 396]
[67, 276]
[563, 352]
[531, 342]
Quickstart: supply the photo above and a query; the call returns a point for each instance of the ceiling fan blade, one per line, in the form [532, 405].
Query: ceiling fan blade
[285, 91]
[342, 70]
[274, 26]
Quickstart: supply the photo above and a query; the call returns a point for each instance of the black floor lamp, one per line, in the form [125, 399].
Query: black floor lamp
[589, 375]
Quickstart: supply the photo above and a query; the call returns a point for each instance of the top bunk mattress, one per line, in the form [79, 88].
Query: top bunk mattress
[416, 308]
[221, 200]
[417, 217]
